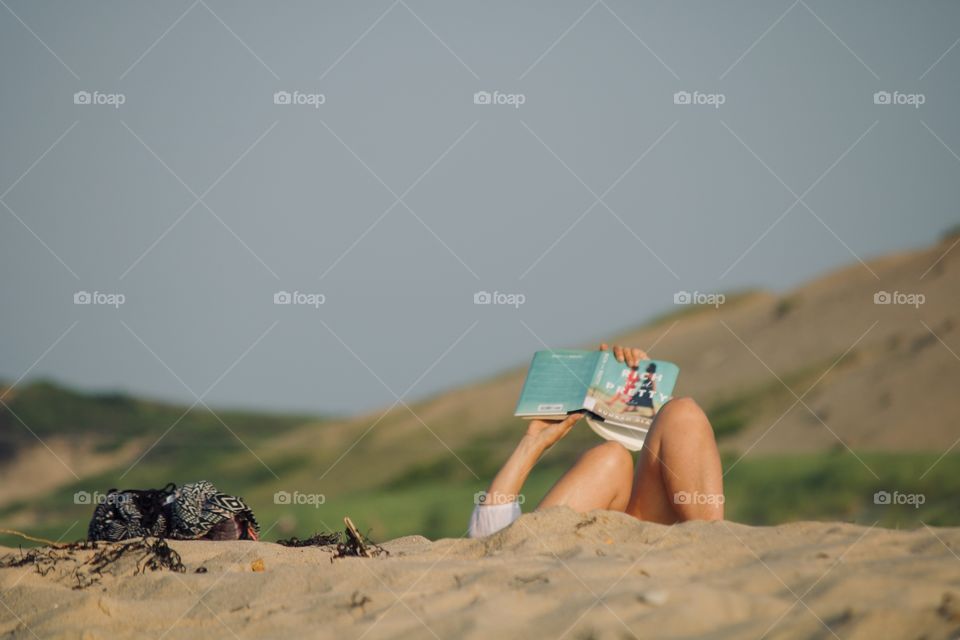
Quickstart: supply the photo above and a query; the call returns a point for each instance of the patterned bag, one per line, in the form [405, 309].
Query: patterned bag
[196, 510]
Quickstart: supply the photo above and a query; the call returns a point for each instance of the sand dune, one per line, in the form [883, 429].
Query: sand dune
[552, 574]
[859, 368]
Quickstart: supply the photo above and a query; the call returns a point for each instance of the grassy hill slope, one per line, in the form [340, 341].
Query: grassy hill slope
[820, 398]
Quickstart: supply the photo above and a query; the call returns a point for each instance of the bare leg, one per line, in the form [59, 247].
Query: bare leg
[601, 478]
[679, 476]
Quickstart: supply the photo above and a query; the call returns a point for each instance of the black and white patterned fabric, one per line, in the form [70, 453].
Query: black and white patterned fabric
[195, 510]
[131, 514]
[198, 509]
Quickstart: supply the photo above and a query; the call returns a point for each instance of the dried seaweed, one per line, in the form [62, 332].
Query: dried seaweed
[155, 555]
[318, 539]
[356, 545]
[151, 553]
[349, 543]
[45, 559]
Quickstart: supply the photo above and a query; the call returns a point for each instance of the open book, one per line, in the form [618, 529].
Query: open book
[620, 401]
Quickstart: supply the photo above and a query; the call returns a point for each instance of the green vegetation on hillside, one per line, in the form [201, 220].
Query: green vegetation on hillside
[761, 491]
[951, 232]
[50, 409]
[436, 499]
[417, 486]
[730, 414]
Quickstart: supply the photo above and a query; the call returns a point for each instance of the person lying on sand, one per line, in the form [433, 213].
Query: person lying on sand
[678, 475]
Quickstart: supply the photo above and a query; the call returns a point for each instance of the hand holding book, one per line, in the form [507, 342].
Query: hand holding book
[631, 356]
[547, 433]
[621, 390]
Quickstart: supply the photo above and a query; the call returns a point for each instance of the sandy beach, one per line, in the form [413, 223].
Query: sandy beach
[552, 574]
[300, 295]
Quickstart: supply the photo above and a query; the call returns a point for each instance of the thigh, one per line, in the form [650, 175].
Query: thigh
[601, 478]
[649, 498]
[679, 459]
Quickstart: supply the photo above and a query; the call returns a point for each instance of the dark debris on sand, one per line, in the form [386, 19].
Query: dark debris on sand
[316, 540]
[356, 545]
[64, 560]
[150, 553]
[349, 544]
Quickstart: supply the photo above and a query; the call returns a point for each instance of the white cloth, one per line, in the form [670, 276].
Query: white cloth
[488, 519]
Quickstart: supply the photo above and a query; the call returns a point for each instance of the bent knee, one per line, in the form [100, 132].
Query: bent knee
[682, 406]
[685, 414]
[612, 456]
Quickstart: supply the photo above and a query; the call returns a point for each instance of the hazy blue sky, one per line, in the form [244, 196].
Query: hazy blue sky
[398, 198]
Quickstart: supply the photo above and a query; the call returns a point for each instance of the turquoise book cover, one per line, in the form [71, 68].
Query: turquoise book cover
[563, 381]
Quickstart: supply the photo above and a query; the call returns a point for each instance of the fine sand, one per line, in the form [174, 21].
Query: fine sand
[552, 574]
